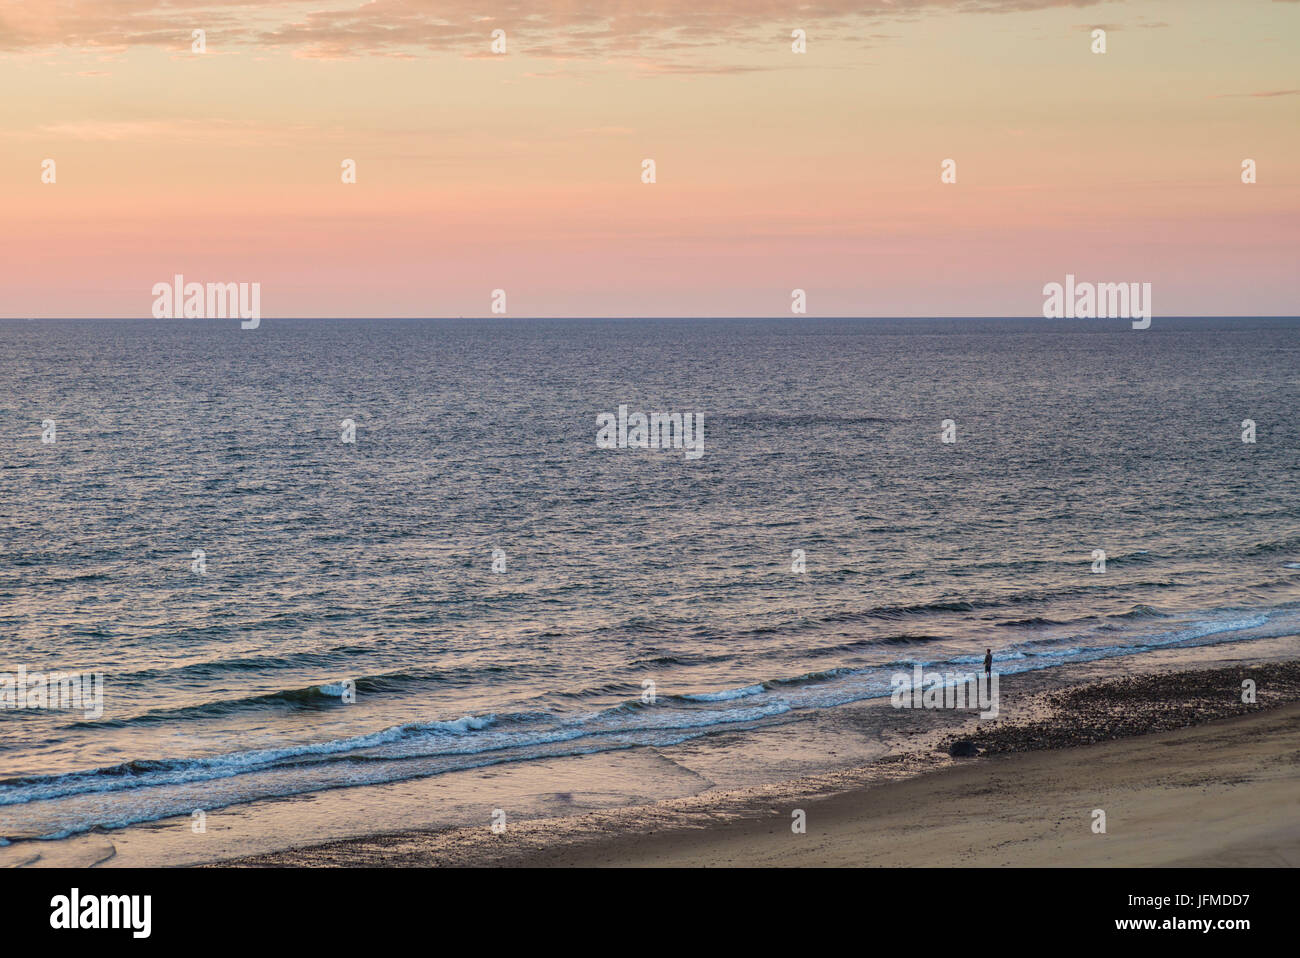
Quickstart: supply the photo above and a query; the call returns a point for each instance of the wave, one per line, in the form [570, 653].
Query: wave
[1287, 544]
[898, 611]
[903, 638]
[311, 696]
[315, 696]
[424, 748]
[962, 605]
[467, 736]
[726, 695]
[215, 668]
[1140, 612]
[133, 774]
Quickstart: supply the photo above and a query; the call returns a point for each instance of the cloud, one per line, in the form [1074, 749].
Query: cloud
[1225, 96]
[699, 69]
[172, 130]
[342, 29]
[1115, 27]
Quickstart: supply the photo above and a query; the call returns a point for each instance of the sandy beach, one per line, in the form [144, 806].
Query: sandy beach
[1186, 774]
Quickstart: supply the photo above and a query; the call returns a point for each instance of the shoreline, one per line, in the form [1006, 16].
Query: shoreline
[1185, 772]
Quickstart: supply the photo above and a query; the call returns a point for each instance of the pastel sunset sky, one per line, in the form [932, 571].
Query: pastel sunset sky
[775, 170]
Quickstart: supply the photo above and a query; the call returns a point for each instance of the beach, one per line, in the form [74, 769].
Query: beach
[1186, 773]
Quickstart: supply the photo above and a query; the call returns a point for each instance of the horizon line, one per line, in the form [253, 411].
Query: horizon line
[207, 320]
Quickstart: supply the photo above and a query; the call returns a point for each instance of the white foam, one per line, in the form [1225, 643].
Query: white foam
[726, 695]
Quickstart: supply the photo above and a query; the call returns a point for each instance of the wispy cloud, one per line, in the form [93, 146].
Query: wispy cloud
[172, 130]
[338, 29]
[1225, 96]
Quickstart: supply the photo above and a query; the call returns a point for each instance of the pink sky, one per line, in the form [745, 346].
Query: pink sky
[775, 170]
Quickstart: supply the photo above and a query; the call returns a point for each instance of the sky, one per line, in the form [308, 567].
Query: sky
[774, 170]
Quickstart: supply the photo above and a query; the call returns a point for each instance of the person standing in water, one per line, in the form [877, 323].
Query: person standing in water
[988, 661]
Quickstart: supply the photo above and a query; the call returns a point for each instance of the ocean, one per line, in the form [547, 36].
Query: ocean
[329, 635]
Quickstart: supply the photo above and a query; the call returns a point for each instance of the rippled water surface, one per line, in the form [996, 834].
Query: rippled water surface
[372, 562]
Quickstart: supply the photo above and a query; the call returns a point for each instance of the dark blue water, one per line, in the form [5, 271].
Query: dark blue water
[372, 562]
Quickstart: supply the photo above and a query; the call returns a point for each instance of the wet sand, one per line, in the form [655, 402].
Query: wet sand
[1185, 772]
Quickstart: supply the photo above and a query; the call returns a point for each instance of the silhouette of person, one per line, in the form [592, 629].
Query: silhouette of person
[988, 661]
